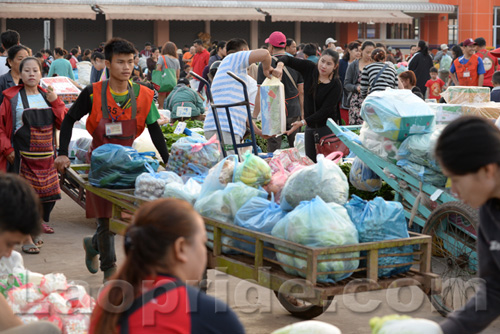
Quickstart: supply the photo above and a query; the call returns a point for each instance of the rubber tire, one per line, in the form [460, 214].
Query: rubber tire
[472, 215]
[306, 312]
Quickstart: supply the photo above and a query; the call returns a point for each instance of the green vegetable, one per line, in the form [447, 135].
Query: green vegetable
[386, 192]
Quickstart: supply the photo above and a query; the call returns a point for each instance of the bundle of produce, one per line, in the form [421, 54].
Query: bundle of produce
[424, 174]
[117, 166]
[65, 304]
[278, 181]
[420, 149]
[220, 175]
[363, 178]
[188, 192]
[403, 324]
[171, 137]
[318, 224]
[379, 220]
[253, 171]
[465, 94]
[193, 150]
[290, 159]
[151, 185]
[379, 145]
[324, 179]
[260, 215]
[397, 114]
[308, 327]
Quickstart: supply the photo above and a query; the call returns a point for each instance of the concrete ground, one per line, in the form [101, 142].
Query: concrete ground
[257, 307]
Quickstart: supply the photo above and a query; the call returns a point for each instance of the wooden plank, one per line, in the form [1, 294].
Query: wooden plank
[372, 265]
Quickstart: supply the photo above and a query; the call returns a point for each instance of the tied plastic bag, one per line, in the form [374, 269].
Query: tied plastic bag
[195, 150]
[188, 192]
[151, 185]
[272, 107]
[253, 171]
[420, 149]
[278, 181]
[397, 114]
[466, 94]
[383, 147]
[380, 220]
[290, 159]
[324, 179]
[117, 166]
[422, 173]
[80, 142]
[363, 178]
[144, 143]
[317, 224]
[220, 175]
[300, 143]
[260, 215]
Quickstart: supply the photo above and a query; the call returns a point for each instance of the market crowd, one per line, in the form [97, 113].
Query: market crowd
[124, 92]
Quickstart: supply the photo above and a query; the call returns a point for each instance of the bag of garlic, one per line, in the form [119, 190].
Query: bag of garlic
[151, 185]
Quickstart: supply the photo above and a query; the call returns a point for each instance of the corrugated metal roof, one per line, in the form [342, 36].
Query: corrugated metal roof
[415, 7]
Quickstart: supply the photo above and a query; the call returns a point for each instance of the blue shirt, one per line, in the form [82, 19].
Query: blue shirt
[226, 90]
[35, 101]
[314, 59]
[495, 94]
[463, 61]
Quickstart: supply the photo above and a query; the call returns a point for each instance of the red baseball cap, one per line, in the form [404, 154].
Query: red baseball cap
[496, 53]
[469, 41]
[277, 39]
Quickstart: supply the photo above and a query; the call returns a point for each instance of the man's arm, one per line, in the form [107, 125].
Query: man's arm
[158, 140]
[481, 80]
[300, 88]
[256, 108]
[263, 57]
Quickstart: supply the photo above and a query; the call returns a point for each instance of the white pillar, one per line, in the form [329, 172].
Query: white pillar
[297, 32]
[3, 24]
[383, 31]
[59, 33]
[254, 35]
[109, 29]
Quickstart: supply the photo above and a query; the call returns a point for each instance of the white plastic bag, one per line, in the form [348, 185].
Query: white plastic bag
[272, 107]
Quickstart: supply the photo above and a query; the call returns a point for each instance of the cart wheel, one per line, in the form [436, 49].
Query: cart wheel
[301, 308]
[454, 258]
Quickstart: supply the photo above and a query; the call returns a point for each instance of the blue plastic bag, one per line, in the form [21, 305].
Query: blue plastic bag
[379, 220]
[117, 167]
[260, 215]
[188, 192]
[363, 178]
[318, 224]
[419, 149]
[422, 173]
[195, 150]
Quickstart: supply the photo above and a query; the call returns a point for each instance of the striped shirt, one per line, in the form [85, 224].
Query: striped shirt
[388, 79]
[226, 90]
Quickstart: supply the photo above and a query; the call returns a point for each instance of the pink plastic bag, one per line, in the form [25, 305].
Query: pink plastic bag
[278, 181]
[290, 160]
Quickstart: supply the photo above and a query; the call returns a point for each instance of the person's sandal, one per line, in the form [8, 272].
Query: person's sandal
[91, 259]
[47, 229]
[38, 242]
[108, 273]
[30, 249]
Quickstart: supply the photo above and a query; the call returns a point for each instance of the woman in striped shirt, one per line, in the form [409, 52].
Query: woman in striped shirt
[378, 75]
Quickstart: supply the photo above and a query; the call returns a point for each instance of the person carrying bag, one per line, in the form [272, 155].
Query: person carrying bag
[165, 79]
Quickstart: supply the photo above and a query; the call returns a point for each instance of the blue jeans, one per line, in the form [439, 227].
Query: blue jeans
[103, 241]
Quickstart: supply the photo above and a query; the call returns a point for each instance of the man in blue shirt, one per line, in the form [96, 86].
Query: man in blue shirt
[468, 70]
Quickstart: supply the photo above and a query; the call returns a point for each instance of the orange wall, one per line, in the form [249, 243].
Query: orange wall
[348, 33]
[434, 29]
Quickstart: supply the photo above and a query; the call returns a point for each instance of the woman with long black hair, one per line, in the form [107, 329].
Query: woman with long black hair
[420, 64]
[322, 94]
[468, 151]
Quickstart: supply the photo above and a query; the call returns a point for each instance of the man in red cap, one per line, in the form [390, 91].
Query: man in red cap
[294, 90]
[468, 70]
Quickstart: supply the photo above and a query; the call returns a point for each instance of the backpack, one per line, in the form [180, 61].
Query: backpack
[445, 63]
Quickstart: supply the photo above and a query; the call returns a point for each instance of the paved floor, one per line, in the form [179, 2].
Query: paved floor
[257, 307]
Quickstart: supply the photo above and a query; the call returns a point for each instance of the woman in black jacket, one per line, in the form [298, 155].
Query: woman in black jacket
[322, 94]
[420, 64]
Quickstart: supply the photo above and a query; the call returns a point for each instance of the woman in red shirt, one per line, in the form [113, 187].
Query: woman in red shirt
[165, 248]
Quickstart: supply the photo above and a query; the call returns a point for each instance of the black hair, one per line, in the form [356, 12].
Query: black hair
[367, 44]
[147, 44]
[117, 46]
[25, 60]
[74, 51]
[220, 45]
[496, 78]
[12, 52]
[153, 49]
[480, 41]
[433, 70]
[20, 209]
[350, 47]
[458, 51]
[289, 41]
[183, 81]
[96, 55]
[309, 49]
[412, 46]
[10, 38]
[48, 51]
[2, 50]
[381, 45]
[59, 51]
[423, 47]
[235, 45]
[378, 55]
[38, 55]
[198, 41]
[467, 144]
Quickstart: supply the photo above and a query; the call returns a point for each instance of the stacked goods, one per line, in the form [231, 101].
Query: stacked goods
[193, 153]
[379, 220]
[463, 95]
[486, 110]
[446, 113]
[397, 114]
[253, 171]
[318, 224]
[117, 166]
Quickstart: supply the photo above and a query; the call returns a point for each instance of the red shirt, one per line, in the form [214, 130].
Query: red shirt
[490, 64]
[200, 60]
[435, 87]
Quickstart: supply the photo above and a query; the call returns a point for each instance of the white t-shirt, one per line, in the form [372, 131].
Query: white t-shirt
[226, 90]
[35, 101]
[3, 67]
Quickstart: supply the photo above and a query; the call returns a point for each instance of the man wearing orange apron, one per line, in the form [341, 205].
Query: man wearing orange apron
[468, 70]
[118, 113]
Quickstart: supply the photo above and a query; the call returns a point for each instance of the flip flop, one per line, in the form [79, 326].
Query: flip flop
[30, 249]
[38, 242]
[47, 229]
